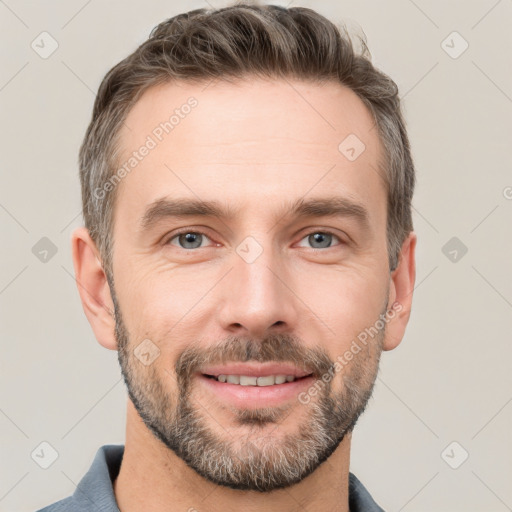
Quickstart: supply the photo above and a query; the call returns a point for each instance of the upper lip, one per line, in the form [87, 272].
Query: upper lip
[254, 370]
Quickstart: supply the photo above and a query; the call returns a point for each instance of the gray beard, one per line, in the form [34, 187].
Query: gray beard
[253, 462]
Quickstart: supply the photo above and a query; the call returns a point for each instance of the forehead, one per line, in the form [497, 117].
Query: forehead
[248, 140]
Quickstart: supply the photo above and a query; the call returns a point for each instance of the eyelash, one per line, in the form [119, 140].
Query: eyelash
[197, 232]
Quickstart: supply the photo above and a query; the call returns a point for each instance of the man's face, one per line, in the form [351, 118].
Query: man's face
[272, 290]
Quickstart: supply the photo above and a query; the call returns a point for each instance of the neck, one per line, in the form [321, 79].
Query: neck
[153, 478]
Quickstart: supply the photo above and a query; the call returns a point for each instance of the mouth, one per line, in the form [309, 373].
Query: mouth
[254, 380]
[251, 386]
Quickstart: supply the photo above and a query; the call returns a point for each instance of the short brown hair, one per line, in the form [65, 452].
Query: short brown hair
[244, 39]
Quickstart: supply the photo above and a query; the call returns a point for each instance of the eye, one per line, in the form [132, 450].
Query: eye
[322, 239]
[188, 239]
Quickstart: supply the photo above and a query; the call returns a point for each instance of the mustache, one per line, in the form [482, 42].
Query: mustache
[273, 348]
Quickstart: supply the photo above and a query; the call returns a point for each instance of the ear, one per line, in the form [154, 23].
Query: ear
[400, 293]
[93, 288]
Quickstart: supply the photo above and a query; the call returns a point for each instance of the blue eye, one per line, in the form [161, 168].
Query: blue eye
[189, 239]
[323, 238]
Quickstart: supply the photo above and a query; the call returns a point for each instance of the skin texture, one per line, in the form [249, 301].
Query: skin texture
[255, 146]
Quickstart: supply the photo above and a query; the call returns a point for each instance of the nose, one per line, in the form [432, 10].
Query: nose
[257, 297]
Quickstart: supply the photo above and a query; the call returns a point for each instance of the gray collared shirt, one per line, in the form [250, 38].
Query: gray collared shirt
[95, 493]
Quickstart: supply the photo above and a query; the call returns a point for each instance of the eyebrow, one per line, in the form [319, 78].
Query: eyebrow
[166, 208]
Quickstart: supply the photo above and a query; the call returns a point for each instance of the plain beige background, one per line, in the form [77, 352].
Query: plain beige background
[450, 379]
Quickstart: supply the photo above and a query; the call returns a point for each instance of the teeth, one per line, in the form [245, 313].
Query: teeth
[266, 381]
[246, 380]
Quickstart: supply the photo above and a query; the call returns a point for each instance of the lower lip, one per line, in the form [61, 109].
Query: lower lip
[247, 397]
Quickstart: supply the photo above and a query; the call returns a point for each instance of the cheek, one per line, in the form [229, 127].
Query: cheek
[163, 308]
[149, 294]
[346, 301]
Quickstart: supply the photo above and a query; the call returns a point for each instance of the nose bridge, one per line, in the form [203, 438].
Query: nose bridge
[257, 296]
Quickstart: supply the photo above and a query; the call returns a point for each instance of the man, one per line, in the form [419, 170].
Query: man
[248, 250]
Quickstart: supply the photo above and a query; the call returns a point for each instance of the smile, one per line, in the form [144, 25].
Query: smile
[251, 380]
